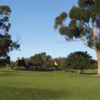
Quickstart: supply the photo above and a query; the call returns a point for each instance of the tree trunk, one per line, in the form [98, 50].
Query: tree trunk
[98, 61]
[75, 71]
[27, 67]
[69, 70]
[36, 67]
[79, 71]
[63, 70]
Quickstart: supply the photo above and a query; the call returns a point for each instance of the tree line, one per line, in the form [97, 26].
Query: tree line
[37, 61]
[78, 61]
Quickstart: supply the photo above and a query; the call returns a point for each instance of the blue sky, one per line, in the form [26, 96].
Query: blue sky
[33, 21]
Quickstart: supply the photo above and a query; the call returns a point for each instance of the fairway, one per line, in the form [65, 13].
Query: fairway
[41, 85]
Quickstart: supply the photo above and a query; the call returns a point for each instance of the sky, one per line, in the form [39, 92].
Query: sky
[33, 21]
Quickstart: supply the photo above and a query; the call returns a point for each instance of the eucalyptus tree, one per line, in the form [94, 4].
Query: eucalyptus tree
[84, 25]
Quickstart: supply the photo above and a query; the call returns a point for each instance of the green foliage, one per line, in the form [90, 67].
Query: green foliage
[12, 64]
[63, 30]
[85, 15]
[90, 43]
[98, 45]
[40, 59]
[82, 3]
[75, 12]
[62, 66]
[85, 3]
[59, 20]
[95, 12]
[98, 23]
[72, 24]
[60, 62]
[49, 63]
[37, 59]
[21, 62]
[79, 60]
[48, 57]
[81, 20]
[24, 62]
[6, 43]
[5, 61]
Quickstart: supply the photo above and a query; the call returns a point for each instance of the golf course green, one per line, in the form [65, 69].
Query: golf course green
[18, 84]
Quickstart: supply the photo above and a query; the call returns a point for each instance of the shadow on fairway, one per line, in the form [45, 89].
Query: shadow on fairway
[88, 73]
[40, 70]
[6, 71]
[50, 70]
[91, 72]
[83, 73]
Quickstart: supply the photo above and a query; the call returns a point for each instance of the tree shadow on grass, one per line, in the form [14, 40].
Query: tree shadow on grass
[88, 73]
[72, 71]
[6, 71]
[92, 72]
[39, 70]
[83, 73]
[7, 74]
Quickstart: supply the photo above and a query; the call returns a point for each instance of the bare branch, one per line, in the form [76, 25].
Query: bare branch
[62, 42]
[76, 40]
[86, 26]
[83, 42]
[80, 40]
[86, 44]
[18, 38]
[93, 29]
[70, 41]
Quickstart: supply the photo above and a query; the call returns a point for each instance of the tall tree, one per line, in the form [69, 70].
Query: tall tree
[84, 25]
[6, 43]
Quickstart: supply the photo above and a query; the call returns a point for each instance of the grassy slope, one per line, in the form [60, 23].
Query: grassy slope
[39, 85]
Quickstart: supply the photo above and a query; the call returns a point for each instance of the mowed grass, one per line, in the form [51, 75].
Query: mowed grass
[42, 85]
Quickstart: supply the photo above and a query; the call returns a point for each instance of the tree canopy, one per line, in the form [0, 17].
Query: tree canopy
[6, 43]
[40, 59]
[79, 61]
[84, 25]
